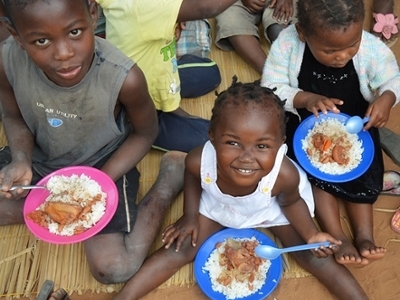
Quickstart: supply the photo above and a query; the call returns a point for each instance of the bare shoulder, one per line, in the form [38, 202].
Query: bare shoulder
[193, 160]
[134, 89]
[288, 178]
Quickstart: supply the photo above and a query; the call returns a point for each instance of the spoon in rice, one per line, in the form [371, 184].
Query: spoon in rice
[355, 124]
[26, 187]
[269, 252]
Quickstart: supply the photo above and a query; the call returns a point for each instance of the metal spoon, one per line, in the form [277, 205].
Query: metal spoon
[269, 252]
[355, 124]
[26, 187]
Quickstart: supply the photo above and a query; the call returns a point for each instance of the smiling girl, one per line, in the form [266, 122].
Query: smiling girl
[242, 178]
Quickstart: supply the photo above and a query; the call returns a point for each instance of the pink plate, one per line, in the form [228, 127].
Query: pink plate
[38, 196]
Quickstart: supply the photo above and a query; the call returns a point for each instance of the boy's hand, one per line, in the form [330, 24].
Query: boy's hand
[14, 173]
[178, 231]
[255, 6]
[283, 9]
[324, 251]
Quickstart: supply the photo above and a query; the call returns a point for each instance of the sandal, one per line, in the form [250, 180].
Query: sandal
[391, 183]
[47, 291]
[386, 28]
[395, 223]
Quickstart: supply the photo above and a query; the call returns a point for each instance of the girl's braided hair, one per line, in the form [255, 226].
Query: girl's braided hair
[239, 94]
[328, 14]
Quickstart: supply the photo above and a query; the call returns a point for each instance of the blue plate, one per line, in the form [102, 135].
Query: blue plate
[203, 279]
[302, 157]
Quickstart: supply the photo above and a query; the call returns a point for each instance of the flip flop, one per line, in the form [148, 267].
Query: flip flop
[395, 223]
[46, 290]
[390, 142]
[391, 183]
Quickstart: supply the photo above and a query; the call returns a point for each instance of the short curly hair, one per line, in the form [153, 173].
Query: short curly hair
[328, 14]
[246, 93]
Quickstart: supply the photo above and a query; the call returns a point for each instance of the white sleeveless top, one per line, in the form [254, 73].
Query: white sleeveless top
[258, 209]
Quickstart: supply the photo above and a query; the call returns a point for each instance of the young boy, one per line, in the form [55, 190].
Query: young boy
[144, 31]
[237, 27]
[72, 99]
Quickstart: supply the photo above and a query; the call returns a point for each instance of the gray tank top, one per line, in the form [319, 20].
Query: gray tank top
[72, 125]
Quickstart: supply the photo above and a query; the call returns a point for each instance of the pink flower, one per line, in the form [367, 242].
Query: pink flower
[386, 24]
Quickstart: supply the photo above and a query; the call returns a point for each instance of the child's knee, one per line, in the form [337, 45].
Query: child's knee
[113, 271]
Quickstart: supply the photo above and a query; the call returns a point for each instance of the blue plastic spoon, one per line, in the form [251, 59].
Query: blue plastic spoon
[269, 252]
[355, 124]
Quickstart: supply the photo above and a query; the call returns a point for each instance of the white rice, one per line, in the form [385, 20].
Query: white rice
[66, 189]
[235, 289]
[334, 129]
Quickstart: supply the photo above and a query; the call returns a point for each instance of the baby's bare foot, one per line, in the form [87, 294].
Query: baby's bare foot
[348, 254]
[369, 250]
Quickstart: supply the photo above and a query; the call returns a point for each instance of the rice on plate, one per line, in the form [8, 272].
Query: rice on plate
[235, 270]
[331, 149]
[75, 204]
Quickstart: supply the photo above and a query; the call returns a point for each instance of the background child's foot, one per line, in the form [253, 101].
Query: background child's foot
[369, 250]
[384, 22]
[348, 254]
[59, 294]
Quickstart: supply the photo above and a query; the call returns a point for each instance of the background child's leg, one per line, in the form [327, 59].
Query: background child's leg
[249, 48]
[328, 216]
[180, 132]
[360, 215]
[336, 277]
[164, 263]
[122, 254]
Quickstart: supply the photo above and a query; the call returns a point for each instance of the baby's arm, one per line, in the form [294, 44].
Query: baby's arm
[188, 224]
[20, 139]
[140, 109]
[294, 207]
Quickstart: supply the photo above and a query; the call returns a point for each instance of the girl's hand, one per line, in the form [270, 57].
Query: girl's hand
[324, 251]
[254, 6]
[379, 110]
[178, 231]
[316, 103]
[283, 9]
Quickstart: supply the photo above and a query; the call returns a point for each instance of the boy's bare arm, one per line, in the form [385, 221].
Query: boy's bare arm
[197, 10]
[140, 109]
[20, 138]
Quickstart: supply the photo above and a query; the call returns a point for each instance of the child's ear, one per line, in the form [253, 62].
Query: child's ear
[94, 13]
[14, 33]
[300, 33]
